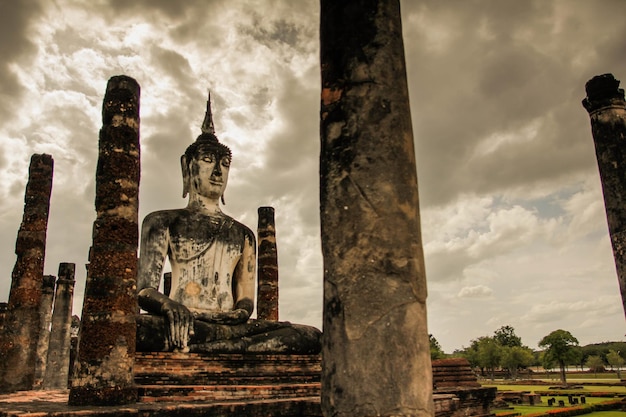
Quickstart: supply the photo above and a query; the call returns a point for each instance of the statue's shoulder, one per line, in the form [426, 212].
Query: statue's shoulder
[239, 227]
[164, 217]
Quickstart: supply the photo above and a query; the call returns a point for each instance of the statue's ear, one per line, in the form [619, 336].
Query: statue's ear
[185, 169]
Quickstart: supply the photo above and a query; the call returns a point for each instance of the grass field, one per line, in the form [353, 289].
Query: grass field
[618, 391]
[555, 376]
[532, 388]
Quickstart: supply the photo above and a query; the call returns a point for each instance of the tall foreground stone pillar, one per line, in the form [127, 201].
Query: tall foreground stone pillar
[58, 363]
[376, 357]
[45, 318]
[18, 343]
[267, 272]
[106, 354]
[607, 110]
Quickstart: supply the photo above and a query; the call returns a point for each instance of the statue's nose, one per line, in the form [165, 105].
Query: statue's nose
[217, 169]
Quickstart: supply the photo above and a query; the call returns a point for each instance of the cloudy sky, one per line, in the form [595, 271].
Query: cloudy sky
[512, 212]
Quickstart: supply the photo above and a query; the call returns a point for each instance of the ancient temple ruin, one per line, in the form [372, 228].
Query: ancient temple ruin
[375, 348]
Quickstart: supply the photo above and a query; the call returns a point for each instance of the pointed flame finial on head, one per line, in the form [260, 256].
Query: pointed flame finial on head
[207, 124]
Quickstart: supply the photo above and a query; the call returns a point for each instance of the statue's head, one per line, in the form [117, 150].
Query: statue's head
[206, 162]
[205, 167]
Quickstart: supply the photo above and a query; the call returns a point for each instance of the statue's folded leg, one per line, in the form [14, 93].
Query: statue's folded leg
[254, 336]
[261, 336]
[151, 335]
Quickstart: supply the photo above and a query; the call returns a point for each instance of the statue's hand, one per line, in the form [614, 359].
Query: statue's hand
[180, 324]
[236, 316]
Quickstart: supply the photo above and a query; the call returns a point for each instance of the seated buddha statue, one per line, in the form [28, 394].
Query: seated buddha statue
[213, 270]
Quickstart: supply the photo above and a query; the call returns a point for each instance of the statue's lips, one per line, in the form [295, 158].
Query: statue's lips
[216, 182]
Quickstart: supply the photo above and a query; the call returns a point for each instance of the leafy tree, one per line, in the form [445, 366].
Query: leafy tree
[435, 348]
[506, 336]
[560, 347]
[546, 361]
[471, 354]
[514, 357]
[615, 360]
[577, 357]
[489, 354]
[595, 364]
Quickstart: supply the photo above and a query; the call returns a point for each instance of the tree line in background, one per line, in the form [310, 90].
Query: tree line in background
[504, 351]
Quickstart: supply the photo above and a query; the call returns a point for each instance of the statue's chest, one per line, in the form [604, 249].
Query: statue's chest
[204, 273]
[203, 238]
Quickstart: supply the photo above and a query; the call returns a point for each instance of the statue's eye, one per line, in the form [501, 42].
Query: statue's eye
[226, 161]
[208, 158]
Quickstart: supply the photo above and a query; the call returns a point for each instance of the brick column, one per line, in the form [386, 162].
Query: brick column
[376, 357]
[57, 368]
[267, 271]
[45, 316]
[607, 111]
[3, 314]
[106, 353]
[18, 343]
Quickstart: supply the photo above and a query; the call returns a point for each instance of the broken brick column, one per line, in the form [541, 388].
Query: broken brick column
[18, 343]
[376, 356]
[607, 111]
[267, 272]
[45, 315]
[106, 354]
[58, 364]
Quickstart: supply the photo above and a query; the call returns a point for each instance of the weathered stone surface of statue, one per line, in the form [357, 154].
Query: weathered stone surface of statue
[106, 354]
[267, 292]
[376, 359]
[58, 362]
[18, 342]
[213, 260]
[607, 110]
[45, 315]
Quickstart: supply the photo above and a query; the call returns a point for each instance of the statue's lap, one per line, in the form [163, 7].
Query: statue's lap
[254, 336]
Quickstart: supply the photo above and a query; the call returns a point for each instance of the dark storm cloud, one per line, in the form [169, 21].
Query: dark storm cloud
[500, 134]
[170, 9]
[492, 68]
[279, 31]
[173, 65]
[16, 18]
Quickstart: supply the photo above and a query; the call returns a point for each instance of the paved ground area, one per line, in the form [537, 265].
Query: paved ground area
[54, 404]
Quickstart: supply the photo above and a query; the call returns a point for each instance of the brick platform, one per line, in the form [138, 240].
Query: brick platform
[54, 404]
[454, 372]
[454, 377]
[194, 385]
[168, 368]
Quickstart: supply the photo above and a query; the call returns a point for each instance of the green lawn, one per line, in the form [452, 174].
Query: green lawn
[608, 376]
[532, 388]
[531, 409]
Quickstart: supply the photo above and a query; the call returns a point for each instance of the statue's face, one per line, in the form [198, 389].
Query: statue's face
[209, 173]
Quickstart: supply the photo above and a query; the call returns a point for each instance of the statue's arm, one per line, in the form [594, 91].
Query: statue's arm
[245, 276]
[154, 247]
[154, 243]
